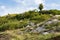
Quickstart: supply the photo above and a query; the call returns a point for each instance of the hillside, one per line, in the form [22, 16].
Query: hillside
[44, 25]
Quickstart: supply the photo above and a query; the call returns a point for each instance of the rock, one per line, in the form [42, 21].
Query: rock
[57, 15]
[45, 33]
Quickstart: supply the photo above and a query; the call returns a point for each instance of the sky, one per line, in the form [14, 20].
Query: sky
[19, 6]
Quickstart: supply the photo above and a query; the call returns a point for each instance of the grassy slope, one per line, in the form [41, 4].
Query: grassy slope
[17, 21]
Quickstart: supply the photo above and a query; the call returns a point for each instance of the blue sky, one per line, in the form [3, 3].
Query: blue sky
[19, 6]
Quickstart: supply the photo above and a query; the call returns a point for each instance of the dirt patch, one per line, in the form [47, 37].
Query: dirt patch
[5, 37]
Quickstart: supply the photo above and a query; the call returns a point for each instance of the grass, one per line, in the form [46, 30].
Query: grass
[28, 36]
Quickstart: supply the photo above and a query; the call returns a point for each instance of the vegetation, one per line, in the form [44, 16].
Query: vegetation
[41, 7]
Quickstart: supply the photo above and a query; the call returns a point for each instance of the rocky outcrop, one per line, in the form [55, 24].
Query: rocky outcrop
[41, 26]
